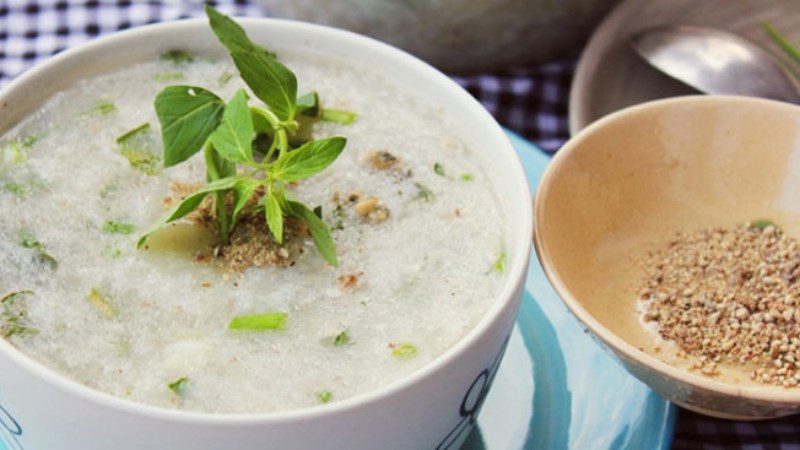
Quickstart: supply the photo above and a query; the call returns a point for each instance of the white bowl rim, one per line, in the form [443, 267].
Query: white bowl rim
[516, 268]
[771, 394]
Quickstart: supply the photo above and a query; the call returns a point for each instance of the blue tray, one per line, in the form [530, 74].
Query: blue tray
[556, 388]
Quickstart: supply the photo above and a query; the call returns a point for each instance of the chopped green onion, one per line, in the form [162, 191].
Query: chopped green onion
[102, 108]
[114, 227]
[168, 76]
[259, 322]
[500, 264]
[100, 301]
[341, 339]
[338, 116]
[137, 145]
[113, 253]
[404, 351]
[14, 315]
[179, 386]
[28, 240]
[177, 56]
[324, 396]
[467, 177]
[15, 150]
[438, 169]
[423, 192]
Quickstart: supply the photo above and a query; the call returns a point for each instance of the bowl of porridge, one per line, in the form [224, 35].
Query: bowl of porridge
[255, 231]
[670, 230]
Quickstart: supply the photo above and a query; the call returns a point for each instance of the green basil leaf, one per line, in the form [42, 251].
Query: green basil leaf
[244, 189]
[188, 115]
[319, 231]
[216, 166]
[269, 80]
[309, 159]
[260, 123]
[308, 104]
[229, 33]
[233, 139]
[274, 214]
[259, 322]
[189, 204]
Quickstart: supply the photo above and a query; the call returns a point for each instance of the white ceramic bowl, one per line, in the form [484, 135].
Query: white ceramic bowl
[434, 407]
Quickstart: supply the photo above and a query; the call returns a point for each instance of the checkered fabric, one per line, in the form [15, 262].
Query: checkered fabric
[531, 101]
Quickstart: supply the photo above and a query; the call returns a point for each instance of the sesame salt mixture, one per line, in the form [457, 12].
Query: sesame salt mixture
[729, 296]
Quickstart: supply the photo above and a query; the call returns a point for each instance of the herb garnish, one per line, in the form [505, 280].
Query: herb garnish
[102, 303]
[404, 351]
[324, 396]
[259, 322]
[178, 387]
[467, 177]
[14, 314]
[438, 169]
[28, 240]
[193, 118]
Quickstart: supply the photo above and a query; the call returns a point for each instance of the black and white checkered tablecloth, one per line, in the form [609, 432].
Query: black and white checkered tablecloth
[531, 101]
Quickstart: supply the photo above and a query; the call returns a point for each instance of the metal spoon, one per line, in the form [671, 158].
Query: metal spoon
[715, 62]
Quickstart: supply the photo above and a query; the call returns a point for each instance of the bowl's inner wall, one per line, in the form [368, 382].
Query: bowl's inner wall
[643, 177]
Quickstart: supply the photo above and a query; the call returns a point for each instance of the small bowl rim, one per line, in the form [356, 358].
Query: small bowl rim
[504, 298]
[769, 394]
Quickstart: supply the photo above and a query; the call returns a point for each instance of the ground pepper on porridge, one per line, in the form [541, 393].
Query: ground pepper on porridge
[729, 296]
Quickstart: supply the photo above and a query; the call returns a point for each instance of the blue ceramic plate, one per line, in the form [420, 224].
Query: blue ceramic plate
[556, 388]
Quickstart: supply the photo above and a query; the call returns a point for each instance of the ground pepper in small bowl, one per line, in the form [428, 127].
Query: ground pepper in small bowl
[729, 296]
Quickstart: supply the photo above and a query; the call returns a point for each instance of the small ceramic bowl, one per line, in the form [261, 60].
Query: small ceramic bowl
[434, 407]
[635, 178]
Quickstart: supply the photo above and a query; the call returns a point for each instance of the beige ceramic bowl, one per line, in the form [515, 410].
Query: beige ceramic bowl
[636, 177]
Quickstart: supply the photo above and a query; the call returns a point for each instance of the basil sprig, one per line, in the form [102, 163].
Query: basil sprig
[193, 118]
